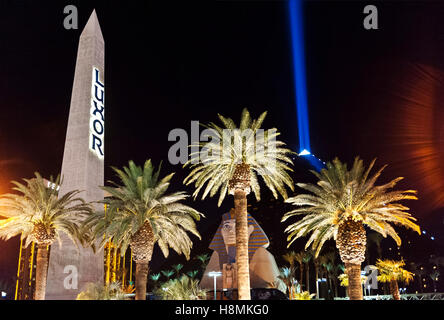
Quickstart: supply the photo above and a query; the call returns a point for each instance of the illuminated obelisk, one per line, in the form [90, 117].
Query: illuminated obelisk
[82, 168]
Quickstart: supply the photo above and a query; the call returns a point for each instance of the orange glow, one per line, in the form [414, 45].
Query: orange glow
[418, 135]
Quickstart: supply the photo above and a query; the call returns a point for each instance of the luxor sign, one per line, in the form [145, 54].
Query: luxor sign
[97, 115]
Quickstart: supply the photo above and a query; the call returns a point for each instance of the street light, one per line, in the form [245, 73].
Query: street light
[215, 274]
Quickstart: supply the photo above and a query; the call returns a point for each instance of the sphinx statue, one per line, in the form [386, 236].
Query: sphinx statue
[263, 267]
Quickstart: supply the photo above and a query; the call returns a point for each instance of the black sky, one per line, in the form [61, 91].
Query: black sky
[169, 63]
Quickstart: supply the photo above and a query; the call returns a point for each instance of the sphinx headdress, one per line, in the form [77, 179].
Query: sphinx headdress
[257, 239]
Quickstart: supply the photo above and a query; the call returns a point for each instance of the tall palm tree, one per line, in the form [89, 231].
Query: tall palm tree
[318, 272]
[340, 205]
[306, 260]
[299, 258]
[140, 214]
[286, 275]
[290, 257]
[392, 272]
[231, 163]
[333, 270]
[40, 216]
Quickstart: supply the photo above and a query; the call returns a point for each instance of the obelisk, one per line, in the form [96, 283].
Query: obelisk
[82, 168]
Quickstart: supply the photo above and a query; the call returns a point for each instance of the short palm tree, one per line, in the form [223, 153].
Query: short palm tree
[177, 268]
[192, 274]
[140, 214]
[204, 259]
[231, 163]
[183, 288]
[167, 273]
[40, 216]
[100, 291]
[340, 205]
[305, 295]
[392, 272]
[155, 278]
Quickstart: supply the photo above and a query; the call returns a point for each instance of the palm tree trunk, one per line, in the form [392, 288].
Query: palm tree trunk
[307, 278]
[141, 279]
[243, 269]
[330, 284]
[394, 290]
[354, 281]
[301, 266]
[317, 282]
[41, 272]
[379, 249]
[335, 282]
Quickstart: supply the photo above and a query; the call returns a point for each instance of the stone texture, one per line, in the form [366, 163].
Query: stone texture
[81, 168]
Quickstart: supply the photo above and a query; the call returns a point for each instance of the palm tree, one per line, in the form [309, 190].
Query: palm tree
[290, 257]
[177, 268]
[192, 274]
[299, 258]
[306, 260]
[391, 272]
[40, 216]
[286, 275]
[140, 214]
[167, 273]
[155, 278]
[100, 291]
[184, 288]
[318, 272]
[303, 295]
[332, 271]
[341, 204]
[231, 163]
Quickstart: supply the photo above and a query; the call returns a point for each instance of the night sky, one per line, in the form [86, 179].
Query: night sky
[371, 93]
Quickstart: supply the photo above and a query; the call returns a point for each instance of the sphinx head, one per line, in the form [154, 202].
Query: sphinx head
[225, 237]
[228, 231]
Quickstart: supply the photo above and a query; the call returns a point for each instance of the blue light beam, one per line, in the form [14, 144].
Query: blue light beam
[297, 42]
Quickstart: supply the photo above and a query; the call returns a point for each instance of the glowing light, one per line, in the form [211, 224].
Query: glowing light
[297, 42]
[214, 274]
[97, 115]
[416, 136]
[304, 152]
